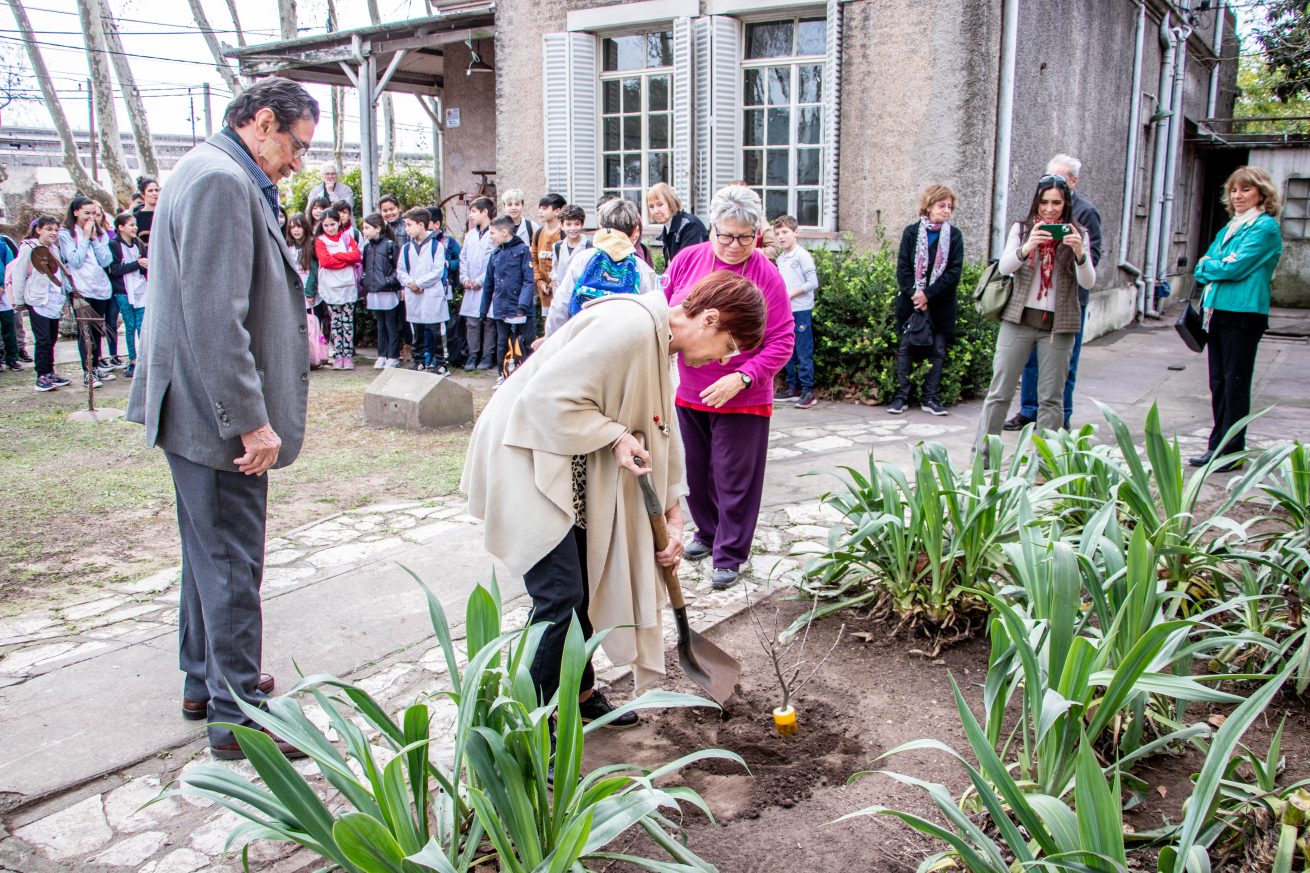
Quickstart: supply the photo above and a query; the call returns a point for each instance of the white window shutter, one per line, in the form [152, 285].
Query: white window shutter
[700, 188]
[571, 91]
[717, 134]
[682, 119]
[831, 115]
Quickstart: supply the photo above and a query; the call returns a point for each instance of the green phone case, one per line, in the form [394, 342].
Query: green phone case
[1058, 231]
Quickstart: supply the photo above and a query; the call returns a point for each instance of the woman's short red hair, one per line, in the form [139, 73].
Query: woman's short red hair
[741, 306]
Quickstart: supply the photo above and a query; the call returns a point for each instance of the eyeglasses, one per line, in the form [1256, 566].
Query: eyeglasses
[727, 239]
[1055, 178]
[734, 350]
[301, 148]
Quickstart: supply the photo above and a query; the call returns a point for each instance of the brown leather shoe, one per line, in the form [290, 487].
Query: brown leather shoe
[232, 751]
[196, 710]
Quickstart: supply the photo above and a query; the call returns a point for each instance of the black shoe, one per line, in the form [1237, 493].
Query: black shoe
[486, 364]
[696, 551]
[25, 357]
[897, 406]
[15, 366]
[807, 400]
[724, 578]
[1230, 466]
[933, 407]
[1201, 460]
[470, 365]
[1019, 422]
[787, 394]
[596, 706]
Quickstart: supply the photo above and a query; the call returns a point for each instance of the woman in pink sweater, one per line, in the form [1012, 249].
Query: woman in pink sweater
[724, 409]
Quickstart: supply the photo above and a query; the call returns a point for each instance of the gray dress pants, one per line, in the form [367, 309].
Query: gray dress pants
[1014, 343]
[221, 517]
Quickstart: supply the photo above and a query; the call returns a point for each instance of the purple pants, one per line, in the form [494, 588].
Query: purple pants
[725, 472]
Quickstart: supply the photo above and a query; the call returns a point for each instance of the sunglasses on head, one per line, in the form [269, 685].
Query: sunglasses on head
[1055, 179]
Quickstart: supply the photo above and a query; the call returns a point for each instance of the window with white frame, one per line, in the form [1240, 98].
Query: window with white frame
[636, 82]
[1296, 209]
[782, 116]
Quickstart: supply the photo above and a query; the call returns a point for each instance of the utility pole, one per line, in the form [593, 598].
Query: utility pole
[91, 115]
[209, 117]
[192, 100]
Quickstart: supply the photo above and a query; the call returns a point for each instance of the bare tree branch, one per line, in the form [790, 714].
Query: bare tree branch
[220, 62]
[286, 18]
[236, 22]
[136, 110]
[102, 89]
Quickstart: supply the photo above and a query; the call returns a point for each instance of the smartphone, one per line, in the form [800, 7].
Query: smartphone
[1058, 231]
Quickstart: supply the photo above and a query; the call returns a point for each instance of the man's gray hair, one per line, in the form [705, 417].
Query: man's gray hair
[328, 165]
[1071, 163]
[619, 214]
[737, 203]
[289, 101]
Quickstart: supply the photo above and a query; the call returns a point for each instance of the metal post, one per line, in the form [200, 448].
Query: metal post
[91, 116]
[192, 100]
[368, 156]
[1004, 126]
[209, 116]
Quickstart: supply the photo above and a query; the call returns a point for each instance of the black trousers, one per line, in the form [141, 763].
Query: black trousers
[526, 333]
[7, 337]
[89, 348]
[905, 358]
[45, 333]
[559, 590]
[388, 332]
[1234, 338]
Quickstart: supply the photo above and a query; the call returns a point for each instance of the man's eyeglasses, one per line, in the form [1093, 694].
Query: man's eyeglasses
[727, 239]
[301, 148]
[1055, 178]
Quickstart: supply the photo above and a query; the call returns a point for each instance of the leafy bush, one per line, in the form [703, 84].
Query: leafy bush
[411, 184]
[855, 335]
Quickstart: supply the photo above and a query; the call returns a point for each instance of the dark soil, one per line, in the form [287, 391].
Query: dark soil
[870, 696]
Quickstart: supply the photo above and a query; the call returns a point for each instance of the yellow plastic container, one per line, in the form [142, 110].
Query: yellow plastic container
[784, 721]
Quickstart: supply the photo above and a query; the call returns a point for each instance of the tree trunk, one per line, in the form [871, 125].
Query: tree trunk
[286, 18]
[136, 110]
[236, 22]
[72, 162]
[102, 88]
[220, 63]
[338, 103]
[388, 111]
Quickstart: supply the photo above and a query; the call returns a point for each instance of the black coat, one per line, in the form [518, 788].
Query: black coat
[684, 230]
[379, 272]
[118, 268]
[941, 294]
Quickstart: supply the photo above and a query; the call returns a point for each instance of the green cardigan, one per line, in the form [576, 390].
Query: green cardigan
[1243, 284]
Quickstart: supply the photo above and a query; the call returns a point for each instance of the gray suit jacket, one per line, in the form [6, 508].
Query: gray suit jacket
[224, 346]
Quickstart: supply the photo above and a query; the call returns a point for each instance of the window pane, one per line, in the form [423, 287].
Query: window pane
[812, 37]
[779, 85]
[775, 204]
[632, 95]
[658, 92]
[659, 49]
[752, 166]
[779, 126]
[807, 207]
[754, 88]
[632, 169]
[657, 168]
[807, 166]
[631, 132]
[809, 125]
[611, 91]
[633, 195]
[810, 83]
[657, 132]
[753, 128]
[613, 163]
[1294, 207]
[625, 53]
[771, 40]
[611, 140]
[776, 169]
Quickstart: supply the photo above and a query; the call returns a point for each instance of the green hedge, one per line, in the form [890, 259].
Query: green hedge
[411, 184]
[855, 336]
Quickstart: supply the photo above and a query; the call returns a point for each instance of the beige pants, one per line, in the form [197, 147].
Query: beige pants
[1014, 343]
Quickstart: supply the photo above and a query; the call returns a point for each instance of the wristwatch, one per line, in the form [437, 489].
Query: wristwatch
[745, 380]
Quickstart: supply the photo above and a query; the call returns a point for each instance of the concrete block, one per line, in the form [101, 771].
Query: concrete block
[416, 400]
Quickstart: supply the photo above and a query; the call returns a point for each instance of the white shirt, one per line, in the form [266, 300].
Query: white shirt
[563, 255]
[473, 260]
[134, 283]
[426, 268]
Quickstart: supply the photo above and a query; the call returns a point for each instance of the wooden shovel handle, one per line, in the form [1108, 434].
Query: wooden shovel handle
[660, 531]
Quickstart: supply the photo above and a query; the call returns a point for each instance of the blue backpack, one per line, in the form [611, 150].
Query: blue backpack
[602, 277]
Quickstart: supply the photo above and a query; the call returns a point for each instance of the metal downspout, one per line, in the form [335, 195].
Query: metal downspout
[1164, 99]
[1134, 134]
[1218, 43]
[1176, 122]
[1004, 125]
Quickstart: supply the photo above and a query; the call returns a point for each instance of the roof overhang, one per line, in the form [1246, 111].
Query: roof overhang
[420, 70]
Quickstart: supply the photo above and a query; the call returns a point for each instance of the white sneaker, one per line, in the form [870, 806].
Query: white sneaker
[500, 380]
[379, 363]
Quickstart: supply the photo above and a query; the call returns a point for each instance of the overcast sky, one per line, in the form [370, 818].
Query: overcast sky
[164, 29]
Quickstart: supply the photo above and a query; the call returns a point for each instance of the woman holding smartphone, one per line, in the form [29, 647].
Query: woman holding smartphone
[1047, 254]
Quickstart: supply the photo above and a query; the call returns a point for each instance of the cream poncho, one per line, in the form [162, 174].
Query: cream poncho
[605, 373]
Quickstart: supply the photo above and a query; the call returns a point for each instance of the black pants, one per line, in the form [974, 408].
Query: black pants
[88, 336]
[388, 332]
[111, 326]
[905, 358]
[526, 333]
[559, 590]
[1234, 337]
[456, 346]
[45, 333]
[8, 340]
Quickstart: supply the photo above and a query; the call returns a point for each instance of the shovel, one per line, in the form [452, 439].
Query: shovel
[704, 663]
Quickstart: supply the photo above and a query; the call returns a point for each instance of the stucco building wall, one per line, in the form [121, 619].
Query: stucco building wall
[472, 145]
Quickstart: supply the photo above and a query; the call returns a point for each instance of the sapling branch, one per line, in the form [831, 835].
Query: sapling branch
[787, 670]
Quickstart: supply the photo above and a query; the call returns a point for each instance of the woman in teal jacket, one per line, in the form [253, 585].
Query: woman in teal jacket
[1236, 272]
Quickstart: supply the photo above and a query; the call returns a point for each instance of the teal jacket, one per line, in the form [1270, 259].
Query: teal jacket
[1241, 285]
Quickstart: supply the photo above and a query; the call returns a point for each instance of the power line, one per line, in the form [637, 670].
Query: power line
[83, 50]
[182, 27]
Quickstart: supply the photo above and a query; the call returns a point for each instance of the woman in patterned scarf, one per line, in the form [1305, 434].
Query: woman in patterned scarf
[928, 272]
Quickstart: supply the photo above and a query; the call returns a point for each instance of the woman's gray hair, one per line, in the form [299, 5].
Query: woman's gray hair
[737, 203]
[289, 101]
[619, 214]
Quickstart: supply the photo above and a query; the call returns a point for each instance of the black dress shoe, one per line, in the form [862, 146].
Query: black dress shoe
[1018, 422]
[596, 706]
[1230, 466]
[1201, 460]
[196, 710]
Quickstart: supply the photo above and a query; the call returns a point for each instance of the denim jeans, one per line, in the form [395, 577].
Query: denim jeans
[133, 318]
[1028, 385]
[799, 371]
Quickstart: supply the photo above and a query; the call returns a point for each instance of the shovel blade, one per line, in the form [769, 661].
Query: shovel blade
[713, 669]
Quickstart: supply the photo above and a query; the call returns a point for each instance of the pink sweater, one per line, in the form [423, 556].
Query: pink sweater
[761, 364]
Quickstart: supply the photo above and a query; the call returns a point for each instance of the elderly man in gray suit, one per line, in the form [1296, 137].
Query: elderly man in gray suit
[223, 382]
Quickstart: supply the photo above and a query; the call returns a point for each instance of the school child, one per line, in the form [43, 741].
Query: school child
[44, 296]
[543, 246]
[379, 282]
[346, 215]
[452, 331]
[797, 268]
[337, 254]
[422, 273]
[512, 204]
[300, 240]
[127, 275]
[572, 218]
[613, 267]
[8, 338]
[84, 252]
[508, 291]
[479, 332]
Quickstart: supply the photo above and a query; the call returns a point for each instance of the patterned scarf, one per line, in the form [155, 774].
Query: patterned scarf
[1043, 258]
[922, 278]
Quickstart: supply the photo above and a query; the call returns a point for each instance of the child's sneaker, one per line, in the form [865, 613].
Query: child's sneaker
[115, 363]
[104, 374]
[15, 367]
[46, 383]
[91, 379]
[130, 372]
[439, 369]
[379, 363]
[347, 362]
[60, 381]
[806, 401]
[500, 380]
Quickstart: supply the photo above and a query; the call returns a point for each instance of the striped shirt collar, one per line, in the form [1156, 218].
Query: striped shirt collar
[247, 160]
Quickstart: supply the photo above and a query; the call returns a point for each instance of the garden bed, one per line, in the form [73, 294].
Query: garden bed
[869, 697]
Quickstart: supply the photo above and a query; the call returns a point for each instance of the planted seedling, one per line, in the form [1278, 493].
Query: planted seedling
[789, 662]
